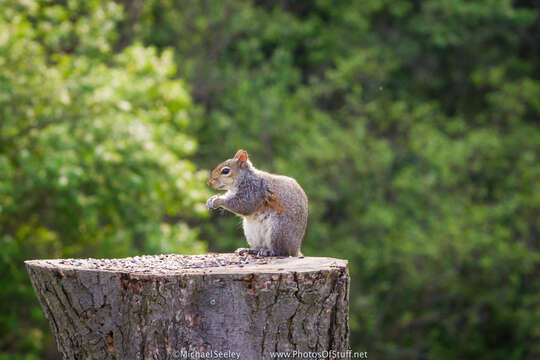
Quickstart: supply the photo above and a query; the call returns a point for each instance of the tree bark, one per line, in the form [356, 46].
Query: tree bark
[244, 310]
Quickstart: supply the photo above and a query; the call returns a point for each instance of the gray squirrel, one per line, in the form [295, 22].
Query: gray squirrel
[274, 208]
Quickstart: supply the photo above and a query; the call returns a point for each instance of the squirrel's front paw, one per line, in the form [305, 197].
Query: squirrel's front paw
[213, 202]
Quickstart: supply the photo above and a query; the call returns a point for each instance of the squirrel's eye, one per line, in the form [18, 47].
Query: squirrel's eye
[225, 171]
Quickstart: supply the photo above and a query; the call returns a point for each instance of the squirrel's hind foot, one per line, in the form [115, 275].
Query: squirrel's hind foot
[266, 252]
[258, 252]
[246, 251]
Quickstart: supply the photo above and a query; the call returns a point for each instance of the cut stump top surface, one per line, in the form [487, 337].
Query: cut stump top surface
[212, 263]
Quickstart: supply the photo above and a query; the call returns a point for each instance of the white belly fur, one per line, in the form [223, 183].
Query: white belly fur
[257, 229]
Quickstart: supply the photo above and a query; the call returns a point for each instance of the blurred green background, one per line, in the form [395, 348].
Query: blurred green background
[412, 126]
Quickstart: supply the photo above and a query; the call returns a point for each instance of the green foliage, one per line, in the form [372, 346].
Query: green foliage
[413, 128]
[93, 149]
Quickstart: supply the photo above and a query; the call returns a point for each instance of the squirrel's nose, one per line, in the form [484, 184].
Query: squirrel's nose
[209, 182]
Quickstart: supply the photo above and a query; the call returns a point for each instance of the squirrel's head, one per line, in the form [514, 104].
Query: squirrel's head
[223, 177]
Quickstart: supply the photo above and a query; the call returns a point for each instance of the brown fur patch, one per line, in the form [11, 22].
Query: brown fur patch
[272, 202]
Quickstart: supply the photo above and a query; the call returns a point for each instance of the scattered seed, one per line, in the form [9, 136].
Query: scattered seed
[166, 263]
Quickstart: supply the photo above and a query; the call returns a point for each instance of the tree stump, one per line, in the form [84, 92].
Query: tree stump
[203, 306]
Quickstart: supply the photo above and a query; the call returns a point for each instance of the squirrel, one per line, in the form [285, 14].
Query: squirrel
[274, 208]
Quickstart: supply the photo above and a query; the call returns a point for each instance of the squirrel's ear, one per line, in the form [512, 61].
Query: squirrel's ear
[241, 155]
